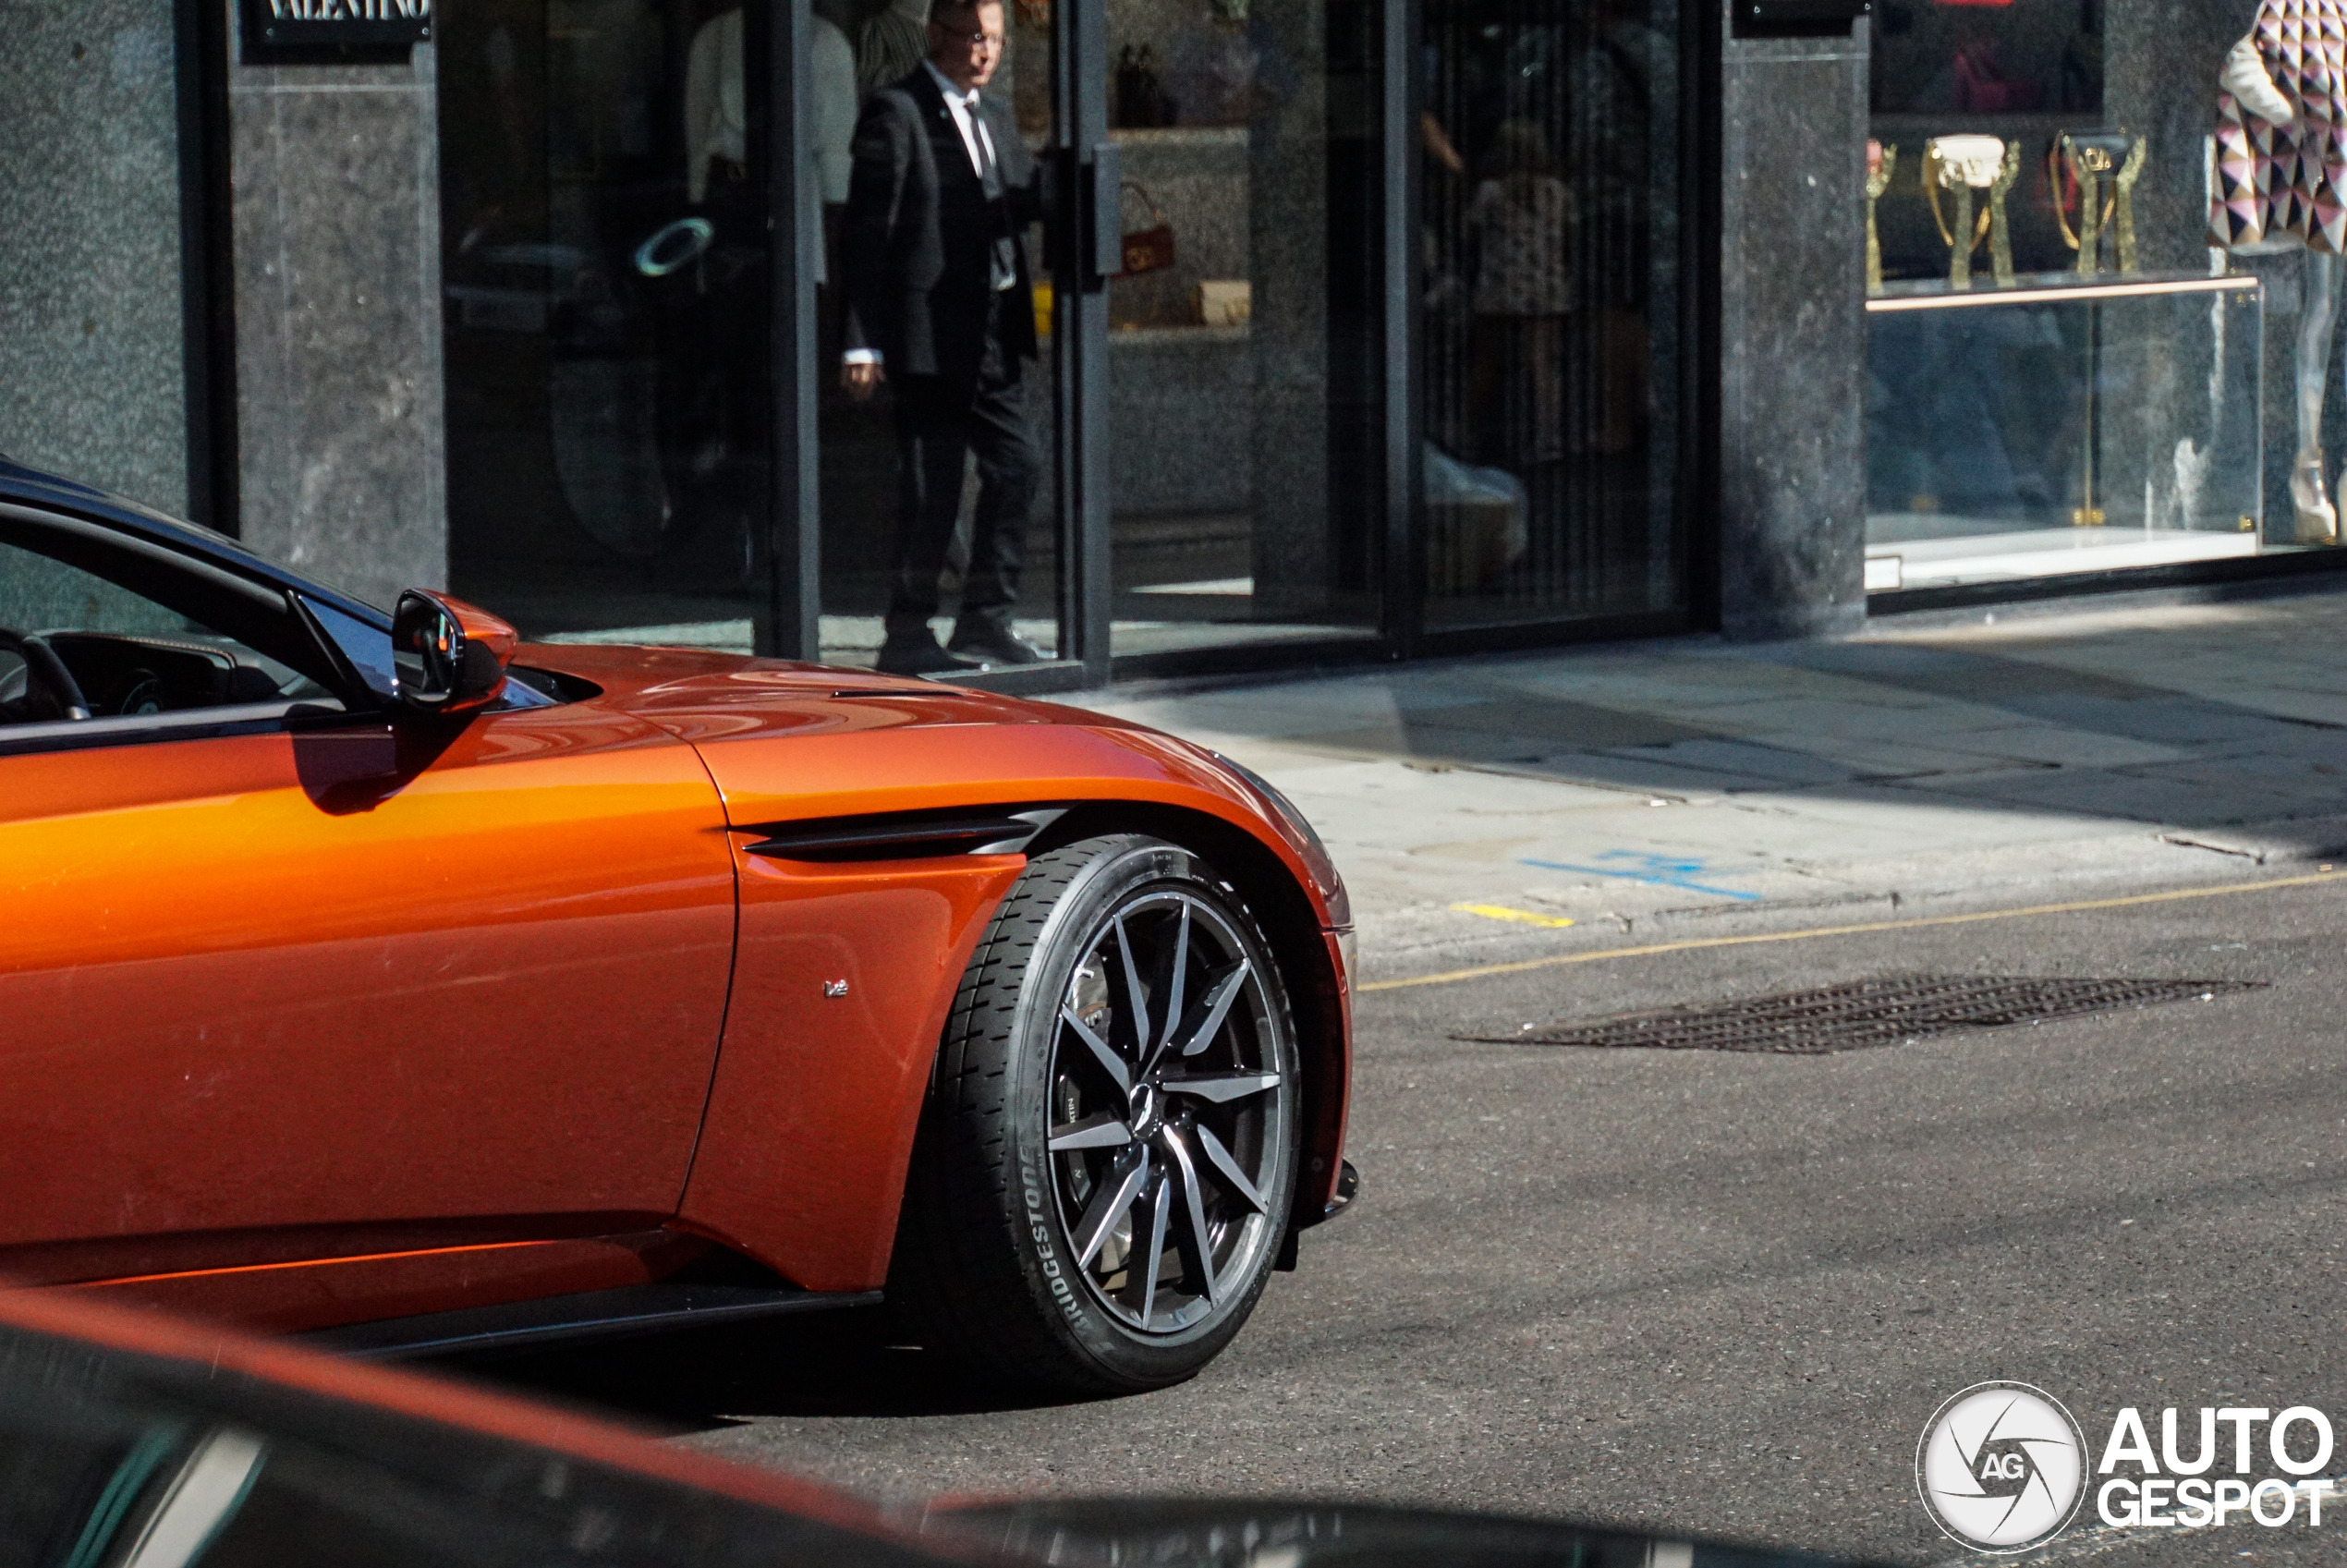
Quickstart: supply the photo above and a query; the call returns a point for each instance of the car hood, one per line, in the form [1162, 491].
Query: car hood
[706, 697]
[788, 742]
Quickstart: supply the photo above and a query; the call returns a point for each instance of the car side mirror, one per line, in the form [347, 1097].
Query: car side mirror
[447, 656]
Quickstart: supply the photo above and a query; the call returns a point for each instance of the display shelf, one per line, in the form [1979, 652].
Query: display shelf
[2064, 424]
[1926, 294]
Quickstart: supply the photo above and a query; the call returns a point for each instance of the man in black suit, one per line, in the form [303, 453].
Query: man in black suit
[939, 307]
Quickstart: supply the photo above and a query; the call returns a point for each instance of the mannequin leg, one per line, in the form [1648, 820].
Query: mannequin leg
[2318, 520]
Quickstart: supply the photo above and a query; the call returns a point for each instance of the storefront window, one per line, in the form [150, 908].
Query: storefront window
[1550, 244]
[611, 389]
[2061, 430]
[606, 265]
[1242, 392]
[2019, 72]
[2067, 367]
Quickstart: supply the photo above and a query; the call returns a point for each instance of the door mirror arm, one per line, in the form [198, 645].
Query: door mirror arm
[449, 657]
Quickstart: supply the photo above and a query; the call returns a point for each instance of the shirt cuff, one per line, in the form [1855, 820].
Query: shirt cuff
[861, 356]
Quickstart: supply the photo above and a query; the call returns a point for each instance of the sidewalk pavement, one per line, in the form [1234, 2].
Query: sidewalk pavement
[1500, 807]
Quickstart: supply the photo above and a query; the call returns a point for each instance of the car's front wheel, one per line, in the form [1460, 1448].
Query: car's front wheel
[1107, 1160]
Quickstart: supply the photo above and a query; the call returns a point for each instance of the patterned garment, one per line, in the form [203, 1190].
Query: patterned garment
[2274, 180]
[1523, 223]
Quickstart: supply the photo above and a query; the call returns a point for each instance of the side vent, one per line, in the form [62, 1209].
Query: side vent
[905, 835]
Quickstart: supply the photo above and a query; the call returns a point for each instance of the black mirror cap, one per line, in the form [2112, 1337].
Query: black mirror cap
[448, 656]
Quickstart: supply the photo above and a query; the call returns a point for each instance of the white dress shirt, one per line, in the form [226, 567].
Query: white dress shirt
[714, 120]
[963, 107]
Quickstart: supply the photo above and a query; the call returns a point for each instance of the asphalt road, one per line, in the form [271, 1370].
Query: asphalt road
[1705, 1291]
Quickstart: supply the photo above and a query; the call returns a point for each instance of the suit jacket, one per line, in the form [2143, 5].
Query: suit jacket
[920, 232]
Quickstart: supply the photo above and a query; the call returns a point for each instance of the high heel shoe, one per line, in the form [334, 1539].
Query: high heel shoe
[2317, 519]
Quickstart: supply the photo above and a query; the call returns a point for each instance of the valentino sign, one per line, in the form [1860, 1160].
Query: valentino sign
[329, 23]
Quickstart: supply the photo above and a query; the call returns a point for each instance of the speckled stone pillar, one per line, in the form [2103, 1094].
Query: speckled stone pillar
[91, 323]
[337, 237]
[1793, 337]
[1287, 258]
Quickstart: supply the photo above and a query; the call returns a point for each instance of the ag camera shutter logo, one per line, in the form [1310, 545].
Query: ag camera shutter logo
[2001, 1467]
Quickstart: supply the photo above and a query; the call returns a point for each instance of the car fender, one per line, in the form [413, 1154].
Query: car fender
[844, 972]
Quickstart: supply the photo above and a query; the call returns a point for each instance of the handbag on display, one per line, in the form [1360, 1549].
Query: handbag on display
[1141, 103]
[1147, 249]
[1973, 166]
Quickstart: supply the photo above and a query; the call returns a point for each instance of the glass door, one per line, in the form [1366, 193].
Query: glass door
[938, 374]
[605, 259]
[1243, 382]
[1551, 248]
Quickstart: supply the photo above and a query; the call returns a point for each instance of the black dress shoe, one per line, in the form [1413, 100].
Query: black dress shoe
[917, 656]
[995, 643]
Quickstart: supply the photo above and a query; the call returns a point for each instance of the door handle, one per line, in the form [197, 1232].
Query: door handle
[1105, 229]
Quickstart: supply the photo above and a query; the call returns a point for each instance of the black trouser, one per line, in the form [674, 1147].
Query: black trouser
[939, 419]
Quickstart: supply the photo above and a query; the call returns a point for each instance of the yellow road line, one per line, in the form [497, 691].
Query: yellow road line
[1450, 977]
[1521, 916]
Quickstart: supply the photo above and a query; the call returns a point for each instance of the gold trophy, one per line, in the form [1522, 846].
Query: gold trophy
[1967, 165]
[2093, 156]
[1881, 163]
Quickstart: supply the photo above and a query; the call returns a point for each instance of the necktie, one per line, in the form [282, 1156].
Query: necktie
[1002, 266]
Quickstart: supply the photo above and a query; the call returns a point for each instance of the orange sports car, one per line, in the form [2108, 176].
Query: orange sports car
[378, 978]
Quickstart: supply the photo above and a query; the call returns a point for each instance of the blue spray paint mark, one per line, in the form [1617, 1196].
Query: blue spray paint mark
[1655, 871]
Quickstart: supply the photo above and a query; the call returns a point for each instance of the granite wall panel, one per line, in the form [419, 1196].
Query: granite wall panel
[336, 240]
[2160, 59]
[1793, 337]
[1288, 265]
[91, 314]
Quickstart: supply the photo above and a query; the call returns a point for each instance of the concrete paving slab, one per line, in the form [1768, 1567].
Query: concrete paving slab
[2185, 720]
[1433, 797]
[1860, 820]
[1742, 758]
[1646, 774]
[1882, 758]
[1853, 718]
[1579, 724]
[2070, 748]
[2320, 706]
[2314, 789]
[2092, 792]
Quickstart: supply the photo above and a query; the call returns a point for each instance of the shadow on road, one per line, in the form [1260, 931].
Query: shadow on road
[843, 1363]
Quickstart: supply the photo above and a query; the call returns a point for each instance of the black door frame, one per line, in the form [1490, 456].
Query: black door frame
[780, 36]
[1085, 178]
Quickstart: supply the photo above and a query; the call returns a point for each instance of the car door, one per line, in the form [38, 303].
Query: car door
[280, 980]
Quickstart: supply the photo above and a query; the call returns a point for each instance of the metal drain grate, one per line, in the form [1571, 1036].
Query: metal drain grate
[1887, 1009]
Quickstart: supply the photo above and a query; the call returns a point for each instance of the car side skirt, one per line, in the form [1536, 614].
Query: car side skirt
[589, 1315]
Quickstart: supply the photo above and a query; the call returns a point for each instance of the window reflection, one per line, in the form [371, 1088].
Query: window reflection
[936, 499]
[1549, 247]
[604, 259]
[1241, 394]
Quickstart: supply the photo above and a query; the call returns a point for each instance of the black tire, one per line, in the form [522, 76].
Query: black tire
[991, 1268]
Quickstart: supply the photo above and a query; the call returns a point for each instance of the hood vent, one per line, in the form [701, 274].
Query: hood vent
[905, 835]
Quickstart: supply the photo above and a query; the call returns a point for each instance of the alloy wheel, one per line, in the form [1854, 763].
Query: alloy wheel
[1170, 1098]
